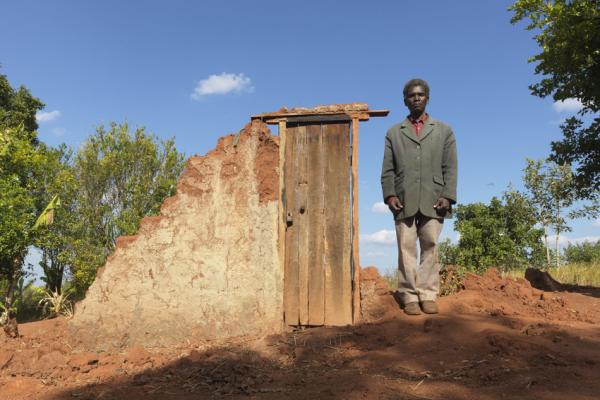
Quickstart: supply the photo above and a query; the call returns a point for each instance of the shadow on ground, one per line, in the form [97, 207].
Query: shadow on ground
[542, 280]
[448, 356]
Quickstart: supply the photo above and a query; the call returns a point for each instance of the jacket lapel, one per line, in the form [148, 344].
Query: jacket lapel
[408, 131]
[427, 129]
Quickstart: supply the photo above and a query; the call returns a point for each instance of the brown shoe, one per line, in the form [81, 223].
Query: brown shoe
[412, 308]
[429, 307]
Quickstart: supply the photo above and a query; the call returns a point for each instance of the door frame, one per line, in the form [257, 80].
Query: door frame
[328, 113]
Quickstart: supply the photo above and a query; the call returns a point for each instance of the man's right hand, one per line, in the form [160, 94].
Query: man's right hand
[394, 204]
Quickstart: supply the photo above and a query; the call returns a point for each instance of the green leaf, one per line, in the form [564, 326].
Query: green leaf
[47, 216]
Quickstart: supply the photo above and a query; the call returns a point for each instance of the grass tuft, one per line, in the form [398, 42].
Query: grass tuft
[582, 274]
[55, 304]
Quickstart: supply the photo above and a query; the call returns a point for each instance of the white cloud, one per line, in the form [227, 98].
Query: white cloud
[565, 240]
[380, 208]
[222, 84]
[384, 236]
[45, 116]
[596, 223]
[567, 105]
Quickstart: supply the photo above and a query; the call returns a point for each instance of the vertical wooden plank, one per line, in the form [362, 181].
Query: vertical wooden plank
[338, 296]
[291, 283]
[355, 231]
[346, 266]
[281, 220]
[315, 220]
[303, 225]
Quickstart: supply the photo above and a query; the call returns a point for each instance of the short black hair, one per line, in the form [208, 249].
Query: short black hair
[416, 82]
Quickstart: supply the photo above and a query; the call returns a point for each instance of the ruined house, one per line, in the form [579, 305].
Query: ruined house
[247, 245]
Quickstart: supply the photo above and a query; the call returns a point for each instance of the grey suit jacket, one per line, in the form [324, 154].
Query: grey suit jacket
[419, 170]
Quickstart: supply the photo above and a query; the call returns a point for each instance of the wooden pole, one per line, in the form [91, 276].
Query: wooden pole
[281, 224]
[355, 232]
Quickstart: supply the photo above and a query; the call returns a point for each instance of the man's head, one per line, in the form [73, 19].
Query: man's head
[416, 96]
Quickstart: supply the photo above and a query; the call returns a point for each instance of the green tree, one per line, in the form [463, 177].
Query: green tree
[568, 33]
[18, 107]
[586, 252]
[500, 234]
[121, 177]
[581, 146]
[559, 181]
[537, 182]
[550, 190]
[447, 252]
[55, 242]
[20, 162]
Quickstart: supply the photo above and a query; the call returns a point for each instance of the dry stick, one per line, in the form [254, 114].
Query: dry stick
[419, 384]
[8, 360]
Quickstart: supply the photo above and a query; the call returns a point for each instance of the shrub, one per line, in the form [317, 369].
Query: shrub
[586, 252]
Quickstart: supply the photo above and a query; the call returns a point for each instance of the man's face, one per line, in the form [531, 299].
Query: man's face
[416, 100]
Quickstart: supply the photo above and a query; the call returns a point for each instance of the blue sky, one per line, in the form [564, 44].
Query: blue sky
[96, 62]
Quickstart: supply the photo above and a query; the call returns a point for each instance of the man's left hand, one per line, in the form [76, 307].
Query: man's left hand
[442, 206]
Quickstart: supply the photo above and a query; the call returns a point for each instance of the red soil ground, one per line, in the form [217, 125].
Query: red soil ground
[497, 339]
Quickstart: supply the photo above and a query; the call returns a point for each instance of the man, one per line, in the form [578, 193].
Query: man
[418, 178]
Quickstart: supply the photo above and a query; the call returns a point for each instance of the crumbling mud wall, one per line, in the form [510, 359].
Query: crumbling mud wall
[207, 266]
[377, 300]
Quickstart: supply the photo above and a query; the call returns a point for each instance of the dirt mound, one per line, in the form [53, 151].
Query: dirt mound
[499, 338]
[497, 295]
[491, 293]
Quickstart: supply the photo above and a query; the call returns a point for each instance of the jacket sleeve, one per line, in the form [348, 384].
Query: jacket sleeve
[450, 167]
[388, 170]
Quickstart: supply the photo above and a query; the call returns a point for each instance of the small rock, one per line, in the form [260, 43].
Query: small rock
[84, 362]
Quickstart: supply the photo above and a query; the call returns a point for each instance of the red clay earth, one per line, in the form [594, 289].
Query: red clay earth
[499, 338]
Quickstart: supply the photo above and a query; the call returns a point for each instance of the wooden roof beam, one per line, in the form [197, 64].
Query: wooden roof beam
[273, 118]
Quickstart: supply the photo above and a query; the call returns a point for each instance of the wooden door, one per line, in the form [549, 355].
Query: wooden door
[318, 240]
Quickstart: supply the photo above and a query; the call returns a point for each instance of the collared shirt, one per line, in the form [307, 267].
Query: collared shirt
[418, 123]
